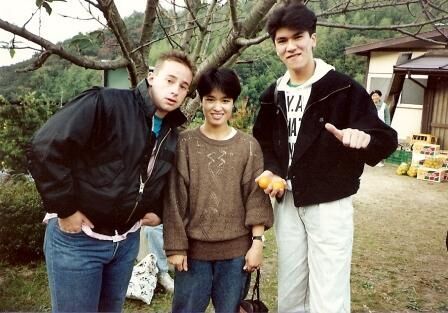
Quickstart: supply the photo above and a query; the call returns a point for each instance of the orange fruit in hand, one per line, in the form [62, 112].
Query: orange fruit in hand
[278, 185]
[264, 182]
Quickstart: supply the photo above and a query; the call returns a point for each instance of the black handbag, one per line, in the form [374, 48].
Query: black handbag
[254, 304]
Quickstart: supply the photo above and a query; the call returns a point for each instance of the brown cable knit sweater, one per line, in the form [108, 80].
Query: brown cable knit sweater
[213, 201]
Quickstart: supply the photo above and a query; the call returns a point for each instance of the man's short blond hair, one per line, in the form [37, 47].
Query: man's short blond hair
[176, 56]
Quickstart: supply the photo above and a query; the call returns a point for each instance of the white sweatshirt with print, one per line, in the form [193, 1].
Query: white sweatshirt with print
[296, 98]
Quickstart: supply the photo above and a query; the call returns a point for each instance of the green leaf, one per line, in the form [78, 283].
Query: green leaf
[81, 42]
[39, 3]
[47, 7]
[12, 52]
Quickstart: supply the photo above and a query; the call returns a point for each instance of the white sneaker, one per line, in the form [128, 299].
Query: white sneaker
[166, 281]
[381, 164]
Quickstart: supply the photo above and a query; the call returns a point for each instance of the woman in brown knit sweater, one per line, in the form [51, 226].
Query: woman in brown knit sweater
[215, 214]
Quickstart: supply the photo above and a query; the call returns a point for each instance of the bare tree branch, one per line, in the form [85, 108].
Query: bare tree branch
[136, 63]
[234, 16]
[172, 42]
[424, 5]
[172, 16]
[38, 62]
[31, 17]
[118, 28]
[252, 41]
[257, 14]
[415, 35]
[60, 51]
[229, 46]
[89, 11]
[149, 43]
[336, 10]
[92, 3]
[399, 28]
[203, 32]
[193, 9]
[148, 23]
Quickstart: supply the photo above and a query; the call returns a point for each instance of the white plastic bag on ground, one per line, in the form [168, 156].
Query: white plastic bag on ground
[143, 280]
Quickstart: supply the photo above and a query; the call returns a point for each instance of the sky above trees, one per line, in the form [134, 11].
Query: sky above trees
[54, 27]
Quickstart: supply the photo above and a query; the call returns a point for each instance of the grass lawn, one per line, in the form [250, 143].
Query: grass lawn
[400, 262]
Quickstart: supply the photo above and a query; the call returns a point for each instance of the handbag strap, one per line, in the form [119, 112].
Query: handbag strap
[256, 288]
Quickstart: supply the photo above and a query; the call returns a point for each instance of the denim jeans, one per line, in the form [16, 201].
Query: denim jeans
[222, 281]
[87, 274]
[155, 240]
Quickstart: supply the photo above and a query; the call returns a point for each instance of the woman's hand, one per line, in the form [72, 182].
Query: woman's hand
[179, 261]
[254, 257]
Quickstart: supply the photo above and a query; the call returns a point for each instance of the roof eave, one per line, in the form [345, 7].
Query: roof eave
[421, 71]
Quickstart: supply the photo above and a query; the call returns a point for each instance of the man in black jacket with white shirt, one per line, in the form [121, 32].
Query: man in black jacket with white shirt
[317, 128]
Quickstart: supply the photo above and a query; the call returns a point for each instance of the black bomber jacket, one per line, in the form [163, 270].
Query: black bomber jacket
[322, 169]
[91, 154]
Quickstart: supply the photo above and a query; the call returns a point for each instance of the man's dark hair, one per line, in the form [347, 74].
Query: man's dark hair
[292, 15]
[377, 92]
[176, 56]
[222, 79]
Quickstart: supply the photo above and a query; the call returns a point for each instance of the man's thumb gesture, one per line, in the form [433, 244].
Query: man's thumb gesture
[336, 132]
[353, 138]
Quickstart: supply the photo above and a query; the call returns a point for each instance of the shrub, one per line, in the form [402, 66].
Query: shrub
[18, 123]
[244, 116]
[21, 229]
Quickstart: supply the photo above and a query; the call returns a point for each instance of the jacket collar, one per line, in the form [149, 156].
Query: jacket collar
[174, 118]
[329, 84]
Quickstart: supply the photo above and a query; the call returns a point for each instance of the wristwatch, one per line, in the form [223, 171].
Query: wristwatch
[261, 238]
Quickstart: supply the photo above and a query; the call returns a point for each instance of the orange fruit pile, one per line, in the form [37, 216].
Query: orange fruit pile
[278, 185]
[264, 182]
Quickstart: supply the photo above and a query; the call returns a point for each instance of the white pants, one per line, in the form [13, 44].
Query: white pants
[314, 256]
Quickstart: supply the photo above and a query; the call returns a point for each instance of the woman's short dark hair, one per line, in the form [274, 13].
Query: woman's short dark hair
[222, 79]
[292, 15]
[377, 92]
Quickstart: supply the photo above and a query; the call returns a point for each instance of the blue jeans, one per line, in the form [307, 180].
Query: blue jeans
[222, 281]
[87, 274]
[155, 239]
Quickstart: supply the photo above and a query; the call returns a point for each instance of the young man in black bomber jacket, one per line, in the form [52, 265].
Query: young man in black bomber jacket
[317, 128]
[100, 165]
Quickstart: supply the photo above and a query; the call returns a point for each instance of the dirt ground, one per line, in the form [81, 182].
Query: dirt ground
[400, 259]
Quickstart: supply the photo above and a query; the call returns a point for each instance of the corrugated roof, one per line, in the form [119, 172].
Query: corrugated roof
[429, 63]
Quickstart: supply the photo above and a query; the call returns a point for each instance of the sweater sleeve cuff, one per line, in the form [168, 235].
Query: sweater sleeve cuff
[175, 252]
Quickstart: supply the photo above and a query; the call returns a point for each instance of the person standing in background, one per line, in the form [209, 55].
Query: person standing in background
[154, 235]
[381, 106]
[383, 112]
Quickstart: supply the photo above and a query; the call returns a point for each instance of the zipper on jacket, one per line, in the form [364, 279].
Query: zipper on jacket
[279, 108]
[324, 98]
[143, 183]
